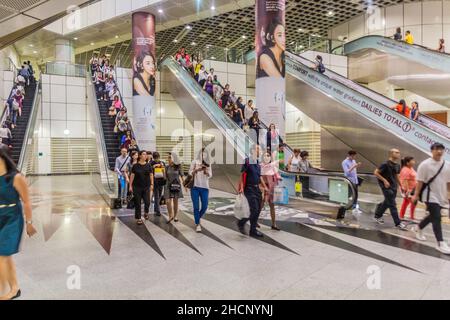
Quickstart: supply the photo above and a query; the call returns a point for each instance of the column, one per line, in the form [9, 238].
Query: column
[270, 42]
[144, 80]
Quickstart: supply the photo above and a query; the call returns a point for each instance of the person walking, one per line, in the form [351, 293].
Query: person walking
[414, 114]
[13, 189]
[141, 182]
[173, 189]
[270, 176]
[250, 187]
[389, 180]
[441, 47]
[350, 167]
[433, 176]
[159, 175]
[201, 172]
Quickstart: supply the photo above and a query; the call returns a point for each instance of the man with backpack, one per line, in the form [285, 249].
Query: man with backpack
[433, 175]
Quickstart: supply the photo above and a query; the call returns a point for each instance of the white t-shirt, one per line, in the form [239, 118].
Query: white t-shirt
[201, 180]
[438, 188]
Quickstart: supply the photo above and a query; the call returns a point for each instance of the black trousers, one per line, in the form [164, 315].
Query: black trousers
[139, 195]
[389, 202]
[254, 198]
[434, 218]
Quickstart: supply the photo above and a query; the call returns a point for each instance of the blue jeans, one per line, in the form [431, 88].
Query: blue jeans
[201, 194]
[14, 117]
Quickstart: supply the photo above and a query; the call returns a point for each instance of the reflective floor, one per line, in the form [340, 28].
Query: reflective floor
[83, 252]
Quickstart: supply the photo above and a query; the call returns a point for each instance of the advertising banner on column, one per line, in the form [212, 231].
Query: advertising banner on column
[144, 80]
[270, 63]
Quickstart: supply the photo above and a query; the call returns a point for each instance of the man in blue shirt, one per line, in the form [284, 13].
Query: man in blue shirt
[350, 166]
[251, 189]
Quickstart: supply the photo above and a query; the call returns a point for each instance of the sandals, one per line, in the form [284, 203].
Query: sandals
[175, 220]
[276, 228]
[169, 221]
[139, 222]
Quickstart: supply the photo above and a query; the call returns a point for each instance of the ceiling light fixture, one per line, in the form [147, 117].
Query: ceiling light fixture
[92, 43]
[330, 13]
[213, 8]
[117, 37]
[175, 40]
[31, 45]
[75, 38]
[188, 27]
[34, 51]
[244, 37]
[193, 44]
[160, 10]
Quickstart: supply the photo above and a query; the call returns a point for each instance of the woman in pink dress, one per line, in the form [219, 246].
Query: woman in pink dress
[270, 175]
[408, 185]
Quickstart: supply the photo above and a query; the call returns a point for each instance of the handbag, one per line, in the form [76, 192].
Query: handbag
[130, 201]
[360, 181]
[175, 186]
[241, 207]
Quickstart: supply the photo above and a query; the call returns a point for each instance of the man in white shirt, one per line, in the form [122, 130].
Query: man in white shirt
[433, 176]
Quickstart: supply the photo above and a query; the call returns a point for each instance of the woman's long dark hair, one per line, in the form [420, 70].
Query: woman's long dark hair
[11, 168]
[403, 103]
[140, 68]
[270, 32]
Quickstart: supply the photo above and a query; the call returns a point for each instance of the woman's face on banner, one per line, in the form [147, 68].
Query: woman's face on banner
[280, 37]
[149, 65]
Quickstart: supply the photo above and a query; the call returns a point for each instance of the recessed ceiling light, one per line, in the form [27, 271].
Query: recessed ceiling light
[34, 51]
[213, 8]
[75, 38]
[213, 58]
[330, 13]
[31, 45]
[67, 132]
[175, 40]
[188, 27]
[92, 43]
[160, 10]
[117, 37]
[244, 37]
[193, 44]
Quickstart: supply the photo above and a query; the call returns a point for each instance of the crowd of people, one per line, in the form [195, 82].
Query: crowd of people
[14, 103]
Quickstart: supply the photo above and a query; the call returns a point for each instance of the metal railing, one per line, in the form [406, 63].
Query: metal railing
[65, 69]
[27, 151]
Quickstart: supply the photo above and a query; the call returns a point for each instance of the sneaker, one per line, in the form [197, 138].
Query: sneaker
[443, 247]
[379, 220]
[356, 211]
[198, 229]
[419, 234]
[401, 226]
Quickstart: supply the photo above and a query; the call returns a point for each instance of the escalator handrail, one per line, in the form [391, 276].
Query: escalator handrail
[355, 90]
[30, 128]
[309, 174]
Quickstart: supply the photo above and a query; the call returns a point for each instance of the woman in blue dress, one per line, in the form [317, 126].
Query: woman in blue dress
[13, 188]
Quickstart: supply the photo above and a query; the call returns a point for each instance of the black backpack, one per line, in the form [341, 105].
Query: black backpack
[321, 67]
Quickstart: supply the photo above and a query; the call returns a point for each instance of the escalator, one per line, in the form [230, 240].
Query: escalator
[357, 117]
[412, 67]
[329, 194]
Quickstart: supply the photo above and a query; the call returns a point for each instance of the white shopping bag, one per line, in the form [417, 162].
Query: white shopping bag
[241, 207]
